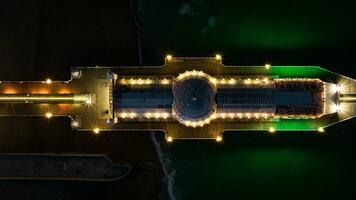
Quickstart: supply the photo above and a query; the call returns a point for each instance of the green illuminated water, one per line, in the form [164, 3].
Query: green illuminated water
[250, 165]
[43, 39]
[230, 171]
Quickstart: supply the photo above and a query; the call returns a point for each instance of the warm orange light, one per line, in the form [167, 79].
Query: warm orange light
[89, 101]
[48, 81]
[169, 57]
[169, 139]
[64, 106]
[64, 91]
[75, 123]
[96, 130]
[165, 81]
[49, 115]
[10, 91]
[40, 91]
[272, 130]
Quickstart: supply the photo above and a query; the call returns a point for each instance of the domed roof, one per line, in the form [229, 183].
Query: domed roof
[194, 98]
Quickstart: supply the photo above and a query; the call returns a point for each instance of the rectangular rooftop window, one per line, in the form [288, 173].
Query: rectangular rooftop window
[294, 98]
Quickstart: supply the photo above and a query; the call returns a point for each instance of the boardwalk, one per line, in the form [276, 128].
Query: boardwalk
[101, 114]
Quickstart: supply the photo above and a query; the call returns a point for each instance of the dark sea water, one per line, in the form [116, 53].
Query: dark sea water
[252, 165]
[40, 39]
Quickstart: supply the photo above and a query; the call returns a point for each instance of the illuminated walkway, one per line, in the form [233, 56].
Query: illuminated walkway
[188, 98]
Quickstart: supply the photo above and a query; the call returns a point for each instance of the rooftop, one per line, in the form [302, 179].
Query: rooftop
[142, 98]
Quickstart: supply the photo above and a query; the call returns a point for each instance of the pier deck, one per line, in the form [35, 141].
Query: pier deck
[97, 114]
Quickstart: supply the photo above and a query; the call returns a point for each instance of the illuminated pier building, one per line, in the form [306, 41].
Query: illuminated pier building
[188, 98]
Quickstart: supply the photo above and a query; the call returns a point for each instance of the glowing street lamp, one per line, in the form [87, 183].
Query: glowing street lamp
[272, 130]
[337, 88]
[49, 115]
[89, 101]
[169, 57]
[96, 130]
[321, 130]
[165, 81]
[75, 123]
[148, 115]
[48, 81]
[232, 81]
[218, 138]
[169, 139]
[337, 108]
[218, 57]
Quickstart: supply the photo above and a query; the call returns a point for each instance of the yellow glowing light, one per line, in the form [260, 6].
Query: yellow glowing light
[48, 81]
[132, 115]
[223, 115]
[148, 115]
[272, 130]
[88, 101]
[336, 88]
[223, 81]
[123, 81]
[218, 138]
[218, 57]
[165, 115]
[267, 66]
[337, 108]
[213, 80]
[165, 81]
[96, 130]
[232, 81]
[247, 81]
[169, 139]
[148, 81]
[169, 57]
[49, 115]
[75, 123]
[321, 130]
[140, 81]
[123, 115]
